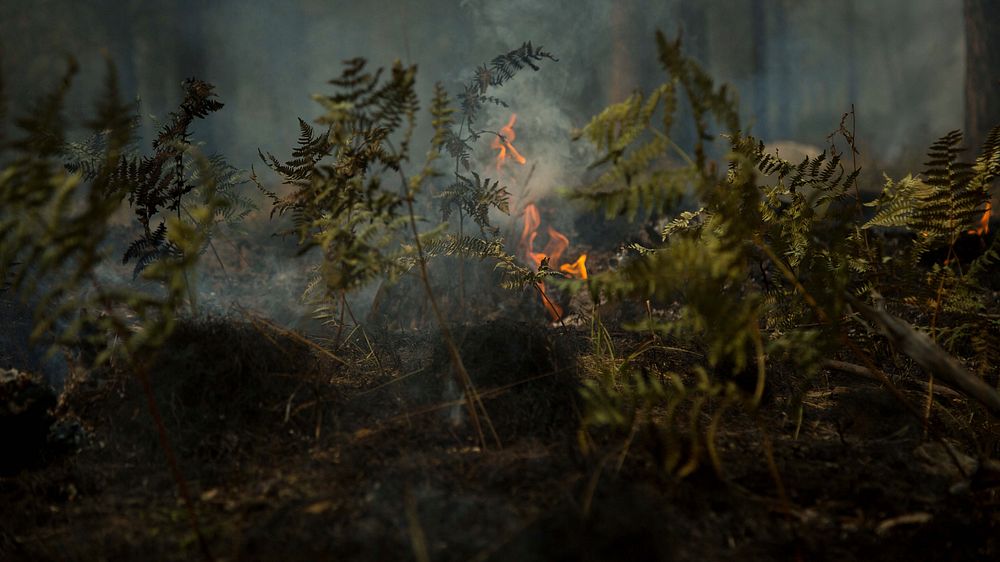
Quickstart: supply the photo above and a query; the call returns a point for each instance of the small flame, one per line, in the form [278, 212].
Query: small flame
[504, 143]
[531, 223]
[984, 222]
[577, 268]
[556, 246]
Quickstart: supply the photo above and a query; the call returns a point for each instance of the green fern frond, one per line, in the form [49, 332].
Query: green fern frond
[58, 223]
[494, 74]
[687, 221]
[948, 201]
[704, 98]
[475, 197]
[464, 246]
[620, 124]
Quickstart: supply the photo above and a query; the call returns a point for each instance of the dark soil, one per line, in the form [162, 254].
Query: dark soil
[293, 454]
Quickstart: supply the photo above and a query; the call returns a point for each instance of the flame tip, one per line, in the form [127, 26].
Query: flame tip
[553, 251]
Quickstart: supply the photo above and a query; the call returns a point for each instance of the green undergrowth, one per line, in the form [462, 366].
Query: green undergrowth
[764, 260]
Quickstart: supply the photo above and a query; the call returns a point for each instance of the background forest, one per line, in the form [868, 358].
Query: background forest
[797, 64]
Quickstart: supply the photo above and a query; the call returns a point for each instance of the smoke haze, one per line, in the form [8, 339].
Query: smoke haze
[797, 65]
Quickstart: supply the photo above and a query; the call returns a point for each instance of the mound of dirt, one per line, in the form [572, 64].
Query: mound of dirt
[523, 372]
[220, 384]
[26, 404]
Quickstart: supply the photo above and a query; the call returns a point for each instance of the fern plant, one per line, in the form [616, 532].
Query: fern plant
[54, 226]
[476, 198]
[158, 184]
[949, 200]
[353, 201]
[766, 264]
[338, 204]
[339, 201]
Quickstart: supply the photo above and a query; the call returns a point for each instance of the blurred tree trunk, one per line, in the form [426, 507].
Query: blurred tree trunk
[118, 42]
[622, 80]
[851, 14]
[982, 68]
[784, 92]
[168, 46]
[694, 37]
[190, 38]
[758, 49]
[694, 29]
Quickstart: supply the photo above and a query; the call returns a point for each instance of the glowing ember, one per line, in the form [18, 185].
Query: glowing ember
[984, 223]
[505, 144]
[553, 251]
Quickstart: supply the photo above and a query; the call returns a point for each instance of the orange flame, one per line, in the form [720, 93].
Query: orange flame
[531, 223]
[984, 223]
[504, 143]
[577, 268]
[553, 251]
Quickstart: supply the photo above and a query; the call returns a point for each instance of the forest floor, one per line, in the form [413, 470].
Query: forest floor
[358, 447]
[290, 454]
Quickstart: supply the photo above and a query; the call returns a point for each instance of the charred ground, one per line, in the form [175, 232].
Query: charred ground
[291, 455]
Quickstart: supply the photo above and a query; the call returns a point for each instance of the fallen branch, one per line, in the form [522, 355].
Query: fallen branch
[929, 355]
[865, 372]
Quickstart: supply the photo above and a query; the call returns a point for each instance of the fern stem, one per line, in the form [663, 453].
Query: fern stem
[142, 372]
[758, 343]
[461, 262]
[552, 306]
[371, 348]
[141, 369]
[772, 466]
[340, 321]
[210, 245]
[938, 298]
[192, 301]
[472, 397]
[670, 142]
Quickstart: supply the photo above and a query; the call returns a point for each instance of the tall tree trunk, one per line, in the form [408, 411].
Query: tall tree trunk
[784, 86]
[191, 41]
[118, 33]
[851, 15]
[758, 49]
[982, 68]
[622, 79]
[168, 47]
[694, 29]
[694, 35]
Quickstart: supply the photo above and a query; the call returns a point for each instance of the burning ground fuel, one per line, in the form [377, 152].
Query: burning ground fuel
[556, 243]
[499, 301]
[550, 256]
